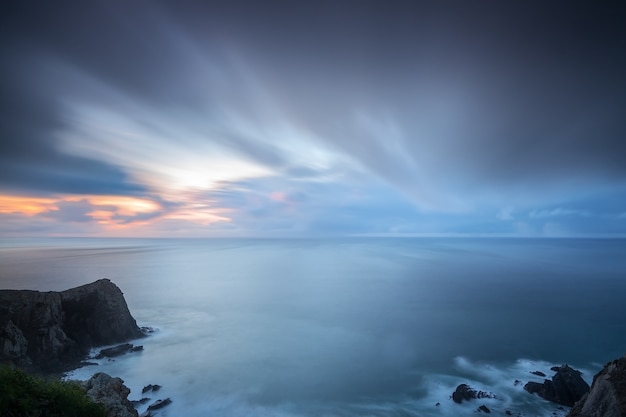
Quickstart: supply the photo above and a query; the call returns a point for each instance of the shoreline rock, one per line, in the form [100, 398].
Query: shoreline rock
[53, 331]
[565, 388]
[112, 394]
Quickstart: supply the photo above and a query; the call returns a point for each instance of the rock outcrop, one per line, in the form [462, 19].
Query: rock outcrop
[51, 331]
[112, 394]
[566, 387]
[607, 396]
[464, 392]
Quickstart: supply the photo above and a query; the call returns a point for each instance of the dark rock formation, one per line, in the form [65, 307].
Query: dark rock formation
[118, 350]
[483, 408]
[143, 400]
[158, 404]
[112, 394]
[13, 343]
[465, 392]
[607, 396]
[150, 387]
[539, 373]
[566, 387]
[96, 314]
[52, 331]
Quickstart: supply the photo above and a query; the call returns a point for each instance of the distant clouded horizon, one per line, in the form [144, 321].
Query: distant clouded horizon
[157, 118]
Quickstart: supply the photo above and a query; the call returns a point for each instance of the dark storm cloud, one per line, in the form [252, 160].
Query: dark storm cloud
[435, 98]
[29, 123]
[443, 97]
[31, 94]
[492, 92]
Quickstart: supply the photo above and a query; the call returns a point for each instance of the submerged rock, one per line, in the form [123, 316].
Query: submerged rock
[607, 396]
[52, 331]
[483, 408]
[566, 387]
[112, 394]
[465, 392]
[539, 373]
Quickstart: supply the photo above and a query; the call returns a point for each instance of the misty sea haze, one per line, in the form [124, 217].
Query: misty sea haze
[346, 327]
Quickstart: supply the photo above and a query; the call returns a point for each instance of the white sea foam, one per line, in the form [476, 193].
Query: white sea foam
[505, 381]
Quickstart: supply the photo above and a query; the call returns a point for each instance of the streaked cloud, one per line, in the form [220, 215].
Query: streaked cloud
[155, 118]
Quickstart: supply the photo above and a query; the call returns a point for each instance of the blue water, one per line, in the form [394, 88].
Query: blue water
[352, 327]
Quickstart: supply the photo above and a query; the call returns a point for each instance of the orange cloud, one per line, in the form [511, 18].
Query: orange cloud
[126, 206]
[101, 216]
[114, 212]
[28, 206]
[105, 207]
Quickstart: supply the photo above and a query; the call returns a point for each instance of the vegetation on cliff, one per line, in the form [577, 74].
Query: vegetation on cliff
[24, 395]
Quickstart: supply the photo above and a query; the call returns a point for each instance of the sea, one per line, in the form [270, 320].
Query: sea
[345, 327]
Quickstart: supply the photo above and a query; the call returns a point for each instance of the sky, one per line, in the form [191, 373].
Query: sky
[327, 118]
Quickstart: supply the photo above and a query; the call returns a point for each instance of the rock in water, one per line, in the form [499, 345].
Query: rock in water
[566, 387]
[52, 330]
[607, 396]
[465, 392]
[151, 387]
[158, 404]
[118, 350]
[112, 394]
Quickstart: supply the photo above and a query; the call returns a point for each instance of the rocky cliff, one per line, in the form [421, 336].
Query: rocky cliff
[51, 331]
[607, 396]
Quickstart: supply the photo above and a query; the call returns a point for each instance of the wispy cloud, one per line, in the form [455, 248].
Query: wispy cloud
[390, 120]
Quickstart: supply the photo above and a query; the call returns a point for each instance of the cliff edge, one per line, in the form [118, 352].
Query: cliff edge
[52, 331]
[607, 396]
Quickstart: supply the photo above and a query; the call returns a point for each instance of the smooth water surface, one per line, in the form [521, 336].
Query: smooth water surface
[346, 327]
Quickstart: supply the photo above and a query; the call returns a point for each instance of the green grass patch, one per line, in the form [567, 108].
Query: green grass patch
[24, 395]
